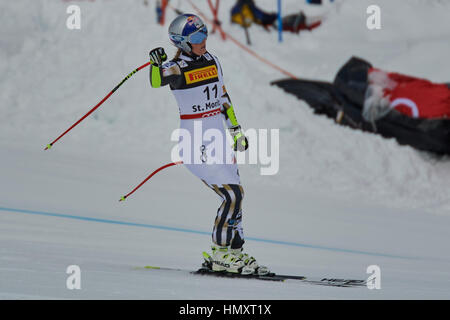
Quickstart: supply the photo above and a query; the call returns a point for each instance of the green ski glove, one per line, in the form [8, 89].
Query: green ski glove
[157, 56]
[240, 140]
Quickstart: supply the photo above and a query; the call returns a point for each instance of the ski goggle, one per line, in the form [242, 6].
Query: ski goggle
[198, 36]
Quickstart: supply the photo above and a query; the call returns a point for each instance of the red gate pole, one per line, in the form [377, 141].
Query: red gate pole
[216, 21]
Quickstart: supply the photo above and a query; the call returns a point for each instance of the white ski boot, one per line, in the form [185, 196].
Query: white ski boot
[223, 259]
[251, 265]
[233, 261]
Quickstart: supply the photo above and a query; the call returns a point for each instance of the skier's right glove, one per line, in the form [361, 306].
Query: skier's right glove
[158, 56]
[240, 140]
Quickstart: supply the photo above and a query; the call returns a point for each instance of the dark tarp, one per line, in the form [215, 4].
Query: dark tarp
[351, 80]
[297, 22]
[343, 101]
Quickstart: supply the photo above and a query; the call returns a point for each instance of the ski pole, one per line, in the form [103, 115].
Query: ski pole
[98, 104]
[151, 175]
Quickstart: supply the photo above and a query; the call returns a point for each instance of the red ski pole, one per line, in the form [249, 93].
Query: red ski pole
[98, 105]
[151, 175]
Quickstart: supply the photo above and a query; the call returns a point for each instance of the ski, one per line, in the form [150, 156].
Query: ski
[282, 277]
[203, 271]
[224, 274]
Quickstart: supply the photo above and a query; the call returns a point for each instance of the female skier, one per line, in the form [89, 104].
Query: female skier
[195, 79]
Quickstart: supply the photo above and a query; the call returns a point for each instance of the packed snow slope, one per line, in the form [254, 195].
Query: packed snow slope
[342, 200]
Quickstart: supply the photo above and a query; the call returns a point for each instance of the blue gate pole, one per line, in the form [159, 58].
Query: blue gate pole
[280, 23]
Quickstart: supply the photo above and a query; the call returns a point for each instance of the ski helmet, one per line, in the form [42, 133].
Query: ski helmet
[187, 29]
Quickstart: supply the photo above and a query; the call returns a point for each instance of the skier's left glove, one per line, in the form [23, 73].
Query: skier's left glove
[158, 56]
[240, 140]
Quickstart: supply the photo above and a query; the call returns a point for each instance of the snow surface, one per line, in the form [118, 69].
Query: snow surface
[341, 201]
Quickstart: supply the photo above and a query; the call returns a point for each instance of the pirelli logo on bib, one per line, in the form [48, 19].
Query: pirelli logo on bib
[201, 74]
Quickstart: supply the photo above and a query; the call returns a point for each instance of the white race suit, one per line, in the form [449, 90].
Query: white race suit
[197, 84]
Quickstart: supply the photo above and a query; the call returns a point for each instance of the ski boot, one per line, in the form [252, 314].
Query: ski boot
[251, 265]
[222, 260]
